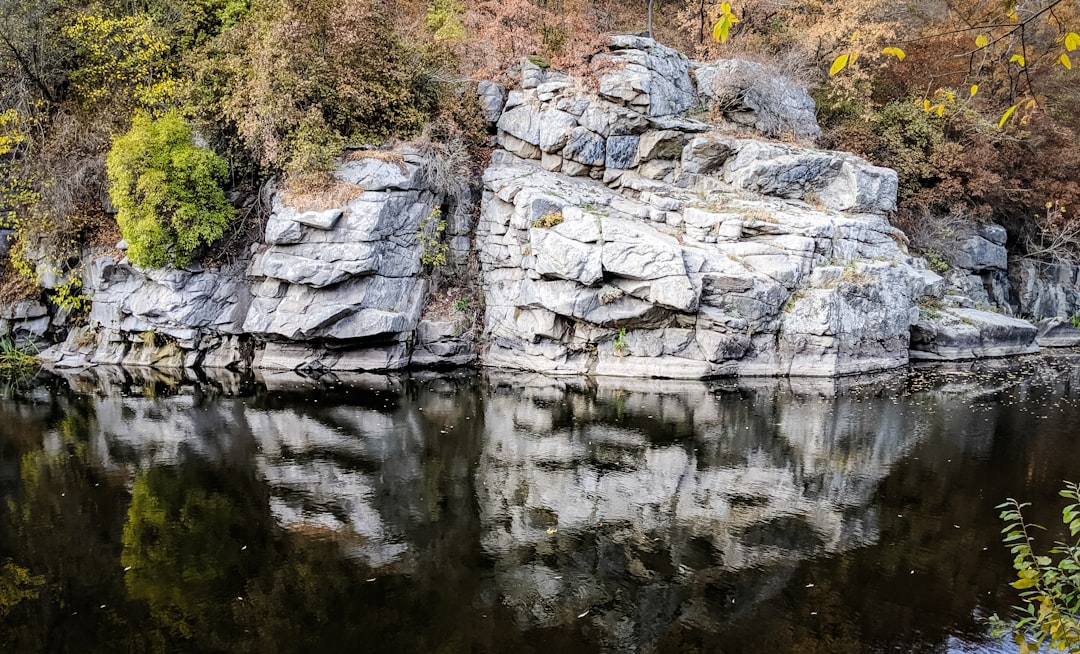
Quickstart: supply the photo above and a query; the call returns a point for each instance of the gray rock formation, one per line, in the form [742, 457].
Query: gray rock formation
[24, 320]
[334, 288]
[1045, 290]
[618, 238]
[952, 334]
[164, 318]
[1054, 332]
[747, 93]
[619, 234]
[647, 76]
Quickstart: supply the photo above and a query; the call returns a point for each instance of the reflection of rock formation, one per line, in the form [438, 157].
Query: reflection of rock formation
[335, 470]
[330, 470]
[674, 488]
[665, 514]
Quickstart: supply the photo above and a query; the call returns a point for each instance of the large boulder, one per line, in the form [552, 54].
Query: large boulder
[646, 75]
[749, 94]
[1054, 332]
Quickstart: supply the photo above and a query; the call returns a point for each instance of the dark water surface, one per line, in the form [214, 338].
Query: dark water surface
[510, 513]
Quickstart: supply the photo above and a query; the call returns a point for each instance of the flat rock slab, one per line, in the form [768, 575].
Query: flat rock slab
[1056, 332]
[951, 334]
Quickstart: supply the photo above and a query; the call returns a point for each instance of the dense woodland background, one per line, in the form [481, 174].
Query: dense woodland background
[214, 96]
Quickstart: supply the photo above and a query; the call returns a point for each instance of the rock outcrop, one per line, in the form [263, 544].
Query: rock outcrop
[24, 320]
[629, 226]
[331, 288]
[619, 236]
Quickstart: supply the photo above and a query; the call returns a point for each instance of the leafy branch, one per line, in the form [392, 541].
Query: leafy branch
[1050, 617]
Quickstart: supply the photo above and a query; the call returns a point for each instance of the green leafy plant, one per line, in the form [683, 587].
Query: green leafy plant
[443, 20]
[1075, 320]
[431, 231]
[168, 192]
[936, 261]
[619, 343]
[462, 303]
[1050, 617]
[69, 296]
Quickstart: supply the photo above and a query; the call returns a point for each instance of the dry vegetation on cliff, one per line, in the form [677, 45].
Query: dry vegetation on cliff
[284, 86]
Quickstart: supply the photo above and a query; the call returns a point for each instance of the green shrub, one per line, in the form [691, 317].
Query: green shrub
[910, 140]
[167, 191]
[443, 20]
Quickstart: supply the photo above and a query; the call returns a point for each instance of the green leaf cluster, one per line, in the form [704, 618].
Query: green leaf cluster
[167, 191]
[123, 60]
[443, 20]
[1050, 588]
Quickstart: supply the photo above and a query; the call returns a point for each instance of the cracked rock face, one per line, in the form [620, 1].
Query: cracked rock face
[331, 288]
[686, 282]
[619, 236]
[619, 233]
[748, 94]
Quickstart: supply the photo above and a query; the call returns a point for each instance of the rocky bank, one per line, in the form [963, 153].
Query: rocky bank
[661, 218]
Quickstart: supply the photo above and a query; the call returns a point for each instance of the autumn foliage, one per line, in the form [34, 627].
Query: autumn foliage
[974, 102]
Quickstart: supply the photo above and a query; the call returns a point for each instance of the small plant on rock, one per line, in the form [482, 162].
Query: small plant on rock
[461, 304]
[430, 235]
[936, 261]
[619, 343]
[609, 294]
[548, 220]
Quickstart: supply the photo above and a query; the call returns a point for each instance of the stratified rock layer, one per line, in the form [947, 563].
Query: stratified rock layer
[619, 237]
[619, 233]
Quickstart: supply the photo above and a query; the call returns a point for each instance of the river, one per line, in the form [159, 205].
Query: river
[507, 512]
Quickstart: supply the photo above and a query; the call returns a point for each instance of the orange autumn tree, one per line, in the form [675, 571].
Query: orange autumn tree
[959, 97]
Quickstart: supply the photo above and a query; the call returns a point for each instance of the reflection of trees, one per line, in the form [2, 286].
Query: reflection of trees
[17, 585]
[58, 524]
[185, 547]
[429, 514]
